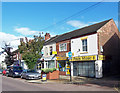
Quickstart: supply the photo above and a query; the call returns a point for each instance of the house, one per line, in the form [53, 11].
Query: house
[2, 58]
[48, 59]
[17, 57]
[94, 48]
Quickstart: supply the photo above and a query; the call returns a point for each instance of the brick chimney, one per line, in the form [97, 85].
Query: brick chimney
[47, 36]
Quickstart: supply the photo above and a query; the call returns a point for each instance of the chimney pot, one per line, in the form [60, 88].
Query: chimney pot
[47, 36]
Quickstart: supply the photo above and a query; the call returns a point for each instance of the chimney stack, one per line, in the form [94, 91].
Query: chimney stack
[47, 36]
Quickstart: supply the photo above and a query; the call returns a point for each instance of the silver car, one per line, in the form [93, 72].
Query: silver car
[30, 74]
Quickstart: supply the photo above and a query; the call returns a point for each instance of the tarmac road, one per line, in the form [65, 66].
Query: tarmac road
[17, 84]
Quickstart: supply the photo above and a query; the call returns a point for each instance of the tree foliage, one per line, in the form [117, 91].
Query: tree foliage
[31, 50]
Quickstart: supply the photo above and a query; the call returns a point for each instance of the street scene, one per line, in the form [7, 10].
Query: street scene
[60, 46]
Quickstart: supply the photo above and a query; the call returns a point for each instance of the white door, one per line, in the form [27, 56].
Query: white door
[98, 68]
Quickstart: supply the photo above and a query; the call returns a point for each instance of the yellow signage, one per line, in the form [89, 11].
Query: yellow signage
[83, 58]
[62, 58]
[68, 66]
[44, 77]
[72, 54]
[54, 52]
[84, 38]
[101, 57]
[68, 72]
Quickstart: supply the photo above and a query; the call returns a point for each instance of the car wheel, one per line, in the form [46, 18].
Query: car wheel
[13, 76]
[27, 78]
[7, 75]
[21, 77]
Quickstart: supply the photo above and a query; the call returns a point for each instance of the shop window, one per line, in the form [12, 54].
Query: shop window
[63, 47]
[51, 49]
[84, 45]
[62, 65]
[51, 64]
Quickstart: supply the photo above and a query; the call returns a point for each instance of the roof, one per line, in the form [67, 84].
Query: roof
[51, 40]
[79, 32]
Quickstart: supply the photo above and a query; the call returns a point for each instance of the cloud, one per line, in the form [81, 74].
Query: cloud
[9, 38]
[77, 24]
[116, 22]
[13, 40]
[26, 31]
[93, 22]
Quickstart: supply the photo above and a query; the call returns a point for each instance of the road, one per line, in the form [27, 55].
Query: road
[17, 84]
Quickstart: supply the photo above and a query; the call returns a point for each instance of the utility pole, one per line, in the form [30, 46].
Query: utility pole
[70, 72]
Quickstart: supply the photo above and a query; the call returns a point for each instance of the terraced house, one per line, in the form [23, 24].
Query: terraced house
[95, 51]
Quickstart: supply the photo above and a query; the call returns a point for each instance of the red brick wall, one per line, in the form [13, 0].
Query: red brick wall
[109, 39]
[63, 53]
[107, 32]
[62, 73]
[53, 75]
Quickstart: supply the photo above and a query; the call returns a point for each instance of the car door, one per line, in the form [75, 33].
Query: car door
[23, 74]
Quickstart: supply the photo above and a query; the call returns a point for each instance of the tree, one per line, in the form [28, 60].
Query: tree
[8, 59]
[31, 50]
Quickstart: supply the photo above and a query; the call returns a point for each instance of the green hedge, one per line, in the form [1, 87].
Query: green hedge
[47, 70]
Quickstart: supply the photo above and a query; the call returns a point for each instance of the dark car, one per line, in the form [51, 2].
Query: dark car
[30, 74]
[1, 71]
[15, 71]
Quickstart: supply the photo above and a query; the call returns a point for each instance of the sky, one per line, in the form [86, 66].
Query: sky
[20, 19]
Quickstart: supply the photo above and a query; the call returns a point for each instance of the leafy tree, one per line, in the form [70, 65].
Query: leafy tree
[31, 50]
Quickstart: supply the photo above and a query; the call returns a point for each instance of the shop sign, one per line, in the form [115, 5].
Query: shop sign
[101, 57]
[44, 77]
[83, 58]
[70, 54]
[62, 58]
[54, 52]
[68, 70]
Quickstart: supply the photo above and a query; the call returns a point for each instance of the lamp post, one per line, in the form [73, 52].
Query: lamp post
[70, 72]
[70, 57]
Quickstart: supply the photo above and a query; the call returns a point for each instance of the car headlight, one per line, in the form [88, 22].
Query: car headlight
[16, 72]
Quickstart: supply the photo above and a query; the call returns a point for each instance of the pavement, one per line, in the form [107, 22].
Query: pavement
[111, 82]
[18, 84]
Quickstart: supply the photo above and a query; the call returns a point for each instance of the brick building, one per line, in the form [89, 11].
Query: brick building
[95, 48]
[96, 51]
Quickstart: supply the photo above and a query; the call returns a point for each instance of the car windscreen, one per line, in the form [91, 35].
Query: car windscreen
[17, 68]
[31, 71]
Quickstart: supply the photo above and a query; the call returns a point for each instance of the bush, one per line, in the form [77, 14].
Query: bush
[47, 70]
[54, 69]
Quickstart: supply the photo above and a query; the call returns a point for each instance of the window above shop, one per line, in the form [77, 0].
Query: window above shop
[51, 49]
[46, 51]
[84, 45]
[63, 47]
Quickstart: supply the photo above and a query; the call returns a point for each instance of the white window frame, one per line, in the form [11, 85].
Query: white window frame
[85, 45]
[50, 50]
[46, 51]
[64, 45]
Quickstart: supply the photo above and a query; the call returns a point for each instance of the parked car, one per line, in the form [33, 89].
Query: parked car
[30, 74]
[15, 71]
[1, 71]
[7, 70]
[4, 71]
